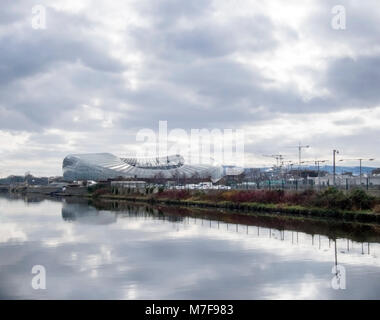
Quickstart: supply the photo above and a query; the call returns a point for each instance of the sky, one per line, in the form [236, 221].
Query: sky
[101, 71]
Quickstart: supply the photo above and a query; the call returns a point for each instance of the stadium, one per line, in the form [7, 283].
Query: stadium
[103, 166]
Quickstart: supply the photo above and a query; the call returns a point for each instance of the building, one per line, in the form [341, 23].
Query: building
[103, 166]
[345, 180]
[124, 187]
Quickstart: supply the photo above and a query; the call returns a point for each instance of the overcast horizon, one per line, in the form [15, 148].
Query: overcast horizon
[100, 71]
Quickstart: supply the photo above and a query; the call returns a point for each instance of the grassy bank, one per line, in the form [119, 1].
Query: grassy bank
[332, 203]
[332, 228]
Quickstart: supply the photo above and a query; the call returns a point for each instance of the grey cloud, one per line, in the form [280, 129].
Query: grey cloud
[27, 51]
[45, 73]
[14, 11]
[188, 73]
[350, 122]
[362, 28]
[207, 39]
[218, 84]
[169, 12]
[355, 81]
[47, 138]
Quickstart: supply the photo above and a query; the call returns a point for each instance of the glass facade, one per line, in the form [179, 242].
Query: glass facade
[103, 166]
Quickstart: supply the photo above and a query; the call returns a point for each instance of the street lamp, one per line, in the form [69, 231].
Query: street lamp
[360, 163]
[300, 147]
[287, 164]
[317, 163]
[335, 152]
[288, 168]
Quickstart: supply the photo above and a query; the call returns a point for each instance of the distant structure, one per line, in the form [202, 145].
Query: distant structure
[103, 166]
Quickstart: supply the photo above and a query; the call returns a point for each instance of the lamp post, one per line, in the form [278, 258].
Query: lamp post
[335, 152]
[288, 166]
[300, 147]
[317, 163]
[360, 164]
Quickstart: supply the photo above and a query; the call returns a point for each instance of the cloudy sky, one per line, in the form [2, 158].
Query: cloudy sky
[103, 70]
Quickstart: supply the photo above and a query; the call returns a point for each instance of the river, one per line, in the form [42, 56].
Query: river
[117, 250]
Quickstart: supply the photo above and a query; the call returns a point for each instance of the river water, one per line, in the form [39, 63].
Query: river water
[115, 250]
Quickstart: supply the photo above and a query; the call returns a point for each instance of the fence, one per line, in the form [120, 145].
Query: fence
[301, 185]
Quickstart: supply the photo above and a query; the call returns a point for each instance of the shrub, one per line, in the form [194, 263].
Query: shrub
[261, 196]
[333, 198]
[361, 200]
[175, 194]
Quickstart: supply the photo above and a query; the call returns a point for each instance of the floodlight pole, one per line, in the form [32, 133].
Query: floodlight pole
[300, 147]
[335, 152]
[318, 163]
[360, 166]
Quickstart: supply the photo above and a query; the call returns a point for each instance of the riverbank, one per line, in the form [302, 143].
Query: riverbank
[331, 228]
[253, 207]
[356, 206]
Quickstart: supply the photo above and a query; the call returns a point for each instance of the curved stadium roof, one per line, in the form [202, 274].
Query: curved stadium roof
[102, 166]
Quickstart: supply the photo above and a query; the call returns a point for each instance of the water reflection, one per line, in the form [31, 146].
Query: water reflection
[82, 213]
[117, 250]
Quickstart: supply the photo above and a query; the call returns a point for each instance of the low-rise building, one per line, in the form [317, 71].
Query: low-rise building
[125, 187]
[346, 180]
